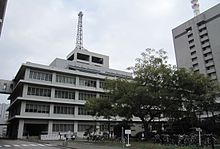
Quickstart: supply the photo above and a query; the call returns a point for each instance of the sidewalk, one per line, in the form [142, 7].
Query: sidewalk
[85, 145]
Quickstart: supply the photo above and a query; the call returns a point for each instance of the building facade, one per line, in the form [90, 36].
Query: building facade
[3, 119]
[197, 47]
[197, 43]
[3, 4]
[50, 99]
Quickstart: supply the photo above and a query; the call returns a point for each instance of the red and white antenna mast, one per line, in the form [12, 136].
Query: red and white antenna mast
[195, 7]
[79, 38]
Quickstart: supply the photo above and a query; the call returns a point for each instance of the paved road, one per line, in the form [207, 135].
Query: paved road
[16, 144]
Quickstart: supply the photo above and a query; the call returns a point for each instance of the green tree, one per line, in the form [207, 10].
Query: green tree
[143, 97]
[194, 89]
[157, 88]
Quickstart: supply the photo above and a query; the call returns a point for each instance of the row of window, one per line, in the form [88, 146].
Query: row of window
[65, 79]
[60, 109]
[205, 46]
[59, 93]
[84, 127]
[82, 111]
[38, 75]
[37, 108]
[63, 127]
[87, 82]
[81, 127]
[38, 91]
[64, 94]
[86, 95]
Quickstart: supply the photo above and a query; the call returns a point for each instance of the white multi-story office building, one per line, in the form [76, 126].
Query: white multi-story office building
[197, 43]
[51, 98]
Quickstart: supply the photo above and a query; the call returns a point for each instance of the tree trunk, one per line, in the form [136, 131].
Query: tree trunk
[145, 125]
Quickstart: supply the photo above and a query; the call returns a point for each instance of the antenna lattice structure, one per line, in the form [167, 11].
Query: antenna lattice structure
[195, 7]
[79, 38]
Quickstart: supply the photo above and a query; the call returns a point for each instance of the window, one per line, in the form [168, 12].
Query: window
[66, 94]
[38, 75]
[97, 60]
[87, 82]
[212, 75]
[210, 67]
[191, 41]
[86, 95]
[193, 53]
[202, 29]
[37, 108]
[37, 91]
[65, 79]
[82, 111]
[209, 61]
[102, 84]
[104, 96]
[63, 127]
[189, 29]
[190, 35]
[205, 41]
[62, 109]
[194, 59]
[204, 35]
[191, 47]
[103, 127]
[206, 47]
[208, 54]
[81, 56]
[84, 127]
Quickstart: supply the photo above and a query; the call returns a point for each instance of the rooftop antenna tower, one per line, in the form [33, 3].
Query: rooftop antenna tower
[195, 7]
[79, 38]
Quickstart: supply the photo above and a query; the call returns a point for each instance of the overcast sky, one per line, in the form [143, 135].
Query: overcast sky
[41, 30]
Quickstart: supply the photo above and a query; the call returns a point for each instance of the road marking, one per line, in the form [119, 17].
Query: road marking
[16, 145]
[48, 144]
[40, 144]
[24, 145]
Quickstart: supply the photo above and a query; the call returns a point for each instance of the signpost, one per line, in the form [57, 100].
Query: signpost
[199, 130]
[128, 132]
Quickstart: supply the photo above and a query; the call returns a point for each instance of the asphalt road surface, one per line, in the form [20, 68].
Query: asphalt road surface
[19, 144]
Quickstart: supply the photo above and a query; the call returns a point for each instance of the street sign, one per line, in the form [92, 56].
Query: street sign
[127, 131]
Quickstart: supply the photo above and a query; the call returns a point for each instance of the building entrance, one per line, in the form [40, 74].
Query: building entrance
[35, 129]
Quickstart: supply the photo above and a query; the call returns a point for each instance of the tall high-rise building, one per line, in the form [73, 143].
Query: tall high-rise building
[3, 4]
[197, 43]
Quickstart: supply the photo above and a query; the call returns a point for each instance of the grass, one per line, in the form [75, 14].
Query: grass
[147, 145]
[137, 145]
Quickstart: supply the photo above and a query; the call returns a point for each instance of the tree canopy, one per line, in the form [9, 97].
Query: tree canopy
[157, 90]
